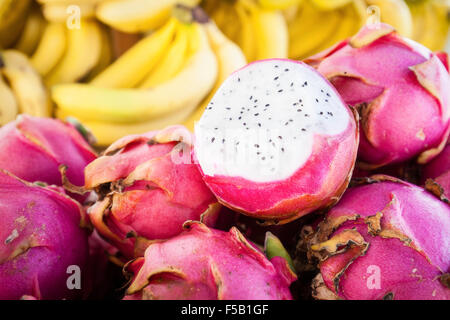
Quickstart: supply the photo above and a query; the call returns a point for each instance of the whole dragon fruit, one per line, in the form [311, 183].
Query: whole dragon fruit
[42, 241]
[384, 240]
[276, 141]
[436, 174]
[34, 148]
[148, 187]
[399, 87]
[207, 264]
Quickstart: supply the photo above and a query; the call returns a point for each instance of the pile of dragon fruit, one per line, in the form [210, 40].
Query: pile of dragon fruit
[323, 179]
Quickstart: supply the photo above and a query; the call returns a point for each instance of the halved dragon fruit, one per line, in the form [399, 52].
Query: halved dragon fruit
[384, 240]
[208, 264]
[399, 87]
[276, 141]
[43, 242]
[436, 174]
[34, 148]
[148, 187]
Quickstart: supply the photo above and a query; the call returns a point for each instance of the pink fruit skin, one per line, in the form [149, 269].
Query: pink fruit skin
[406, 94]
[33, 149]
[409, 268]
[317, 184]
[207, 264]
[439, 170]
[155, 195]
[41, 236]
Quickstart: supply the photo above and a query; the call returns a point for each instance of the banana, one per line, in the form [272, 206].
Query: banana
[106, 54]
[395, 13]
[431, 26]
[132, 67]
[60, 11]
[12, 21]
[31, 34]
[81, 56]
[306, 35]
[230, 58]
[279, 4]
[137, 15]
[247, 38]
[173, 60]
[271, 33]
[350, 21]
[8, 106]
[187, 88]
[106, 132]
[50, 49]
[31, 94]
[330, 4]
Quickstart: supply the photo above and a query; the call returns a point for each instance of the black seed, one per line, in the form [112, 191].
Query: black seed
[306, 115]
[257, 145]
[259, 124]
[317, 100]
[292, 84]
[281, 90]
[320, 112]
[231, 118]
[286, 70]
[228, 108]
[251, 97]
[212, 140]
[303, 129]
[299, 110]
[276, 66]
[328, 95]
[239, 79]
[280, 137]
[244, 124]
[255, 101]
[223, 140]
[276, 78]
[326, 100]
[282, 149]
[240, 118]
[267, 105]
[256, 114]
[263, 158]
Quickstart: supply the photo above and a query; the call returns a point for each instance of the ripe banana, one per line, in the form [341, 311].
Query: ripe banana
[31, 34]
[306, 35]
[81, 56]
[51, 48]
[330, 4]
[173, 60]
[395, 13]
[137, 15]
[279, 4]
[132, 67]
[107, 132]
[8, 106]
[12, 21]
[56, 11]
[230, 58]
[188, 87]
[106, 54]
[26, 83]
[431, 24]
[246, 39]
[271, 33]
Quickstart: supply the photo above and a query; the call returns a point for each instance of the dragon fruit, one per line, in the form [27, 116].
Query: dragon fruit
[206, 264]
[276, 141]
[436, 174]
[42, 237]
[34, 148]
[384, 240]
[399, 87]
[148, 187]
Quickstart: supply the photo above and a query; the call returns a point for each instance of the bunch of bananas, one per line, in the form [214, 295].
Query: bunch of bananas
[165, 78]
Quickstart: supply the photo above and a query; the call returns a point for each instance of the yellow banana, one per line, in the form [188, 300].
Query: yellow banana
[279, 4]
[173, 60]
[31, 34]
[395, 13]
[431, 26]
[230, 58]
[50, 49]
[330, 4]
[12, 21]
[62, 11]
[271, 34]
[306, 35]
[81, 56]
[137, 15]
[8, 105]
[106, 54]
[132, 67]
[26, 83]
[188, 87]
[246, 40]
[107, 132]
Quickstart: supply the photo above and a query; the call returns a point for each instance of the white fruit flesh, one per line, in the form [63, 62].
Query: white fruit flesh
[262, 122]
